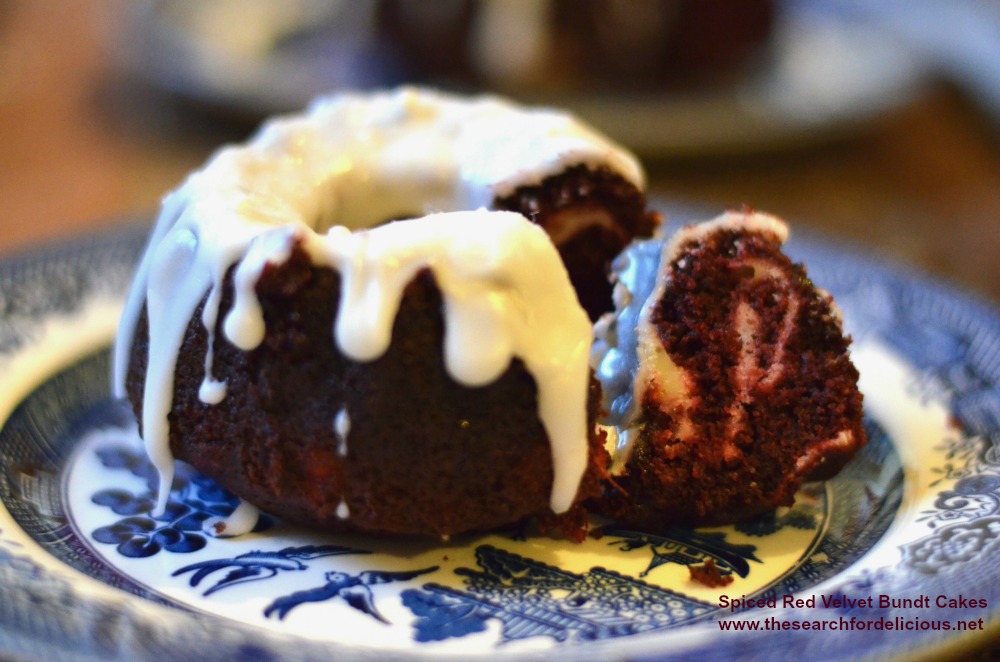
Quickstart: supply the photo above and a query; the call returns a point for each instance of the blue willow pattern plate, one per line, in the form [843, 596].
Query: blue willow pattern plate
[898, 555]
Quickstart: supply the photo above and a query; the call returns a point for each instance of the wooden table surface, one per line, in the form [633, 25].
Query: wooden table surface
[82, 148]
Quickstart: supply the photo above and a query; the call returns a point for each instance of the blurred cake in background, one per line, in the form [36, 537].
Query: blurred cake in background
[662, 77]
[575, 45]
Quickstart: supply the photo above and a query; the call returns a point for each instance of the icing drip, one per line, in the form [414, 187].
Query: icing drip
[212, 391]
[174, 269]
[244, 325]
[353, 161]
[240, 522]
[342, 427]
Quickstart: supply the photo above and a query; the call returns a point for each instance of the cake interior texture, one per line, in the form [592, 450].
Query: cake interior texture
[739, 386]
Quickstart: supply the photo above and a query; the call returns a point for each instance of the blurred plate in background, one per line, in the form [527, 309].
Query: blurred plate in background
[824, 73]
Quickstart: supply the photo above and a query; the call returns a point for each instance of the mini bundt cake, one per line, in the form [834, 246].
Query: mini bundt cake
[726, 378]
[424, 376]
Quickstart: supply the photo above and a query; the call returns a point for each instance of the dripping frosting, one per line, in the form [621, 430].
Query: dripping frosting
[317, 181]
[240, 522]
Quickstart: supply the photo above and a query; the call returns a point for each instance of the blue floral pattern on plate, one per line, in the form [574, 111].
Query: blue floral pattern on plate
[194, 500]
[858, 534]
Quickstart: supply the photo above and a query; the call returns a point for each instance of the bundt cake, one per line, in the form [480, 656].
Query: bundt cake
[726, 378]
[349, 321]
[376, 317]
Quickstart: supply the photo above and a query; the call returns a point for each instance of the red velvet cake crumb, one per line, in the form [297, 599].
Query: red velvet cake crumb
[709, 575]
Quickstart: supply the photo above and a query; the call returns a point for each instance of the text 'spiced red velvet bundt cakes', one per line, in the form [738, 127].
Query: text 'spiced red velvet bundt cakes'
[725, 375]
[422, 376]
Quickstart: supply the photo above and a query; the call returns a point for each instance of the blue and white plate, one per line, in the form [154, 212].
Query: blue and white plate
[899, 555]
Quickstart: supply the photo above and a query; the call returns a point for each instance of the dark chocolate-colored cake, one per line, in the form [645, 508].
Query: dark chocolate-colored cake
[726, 375]
[424, 376]
[423, 454]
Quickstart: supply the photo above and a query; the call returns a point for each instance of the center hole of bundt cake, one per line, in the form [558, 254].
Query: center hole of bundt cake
[359, 196]
[363, 220]
[399, 217]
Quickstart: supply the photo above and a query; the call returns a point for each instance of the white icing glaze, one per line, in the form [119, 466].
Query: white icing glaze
[240, 522]
[353, 161]
[341, 428]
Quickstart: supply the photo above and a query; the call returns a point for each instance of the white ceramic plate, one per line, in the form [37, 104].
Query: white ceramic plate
[86, 571]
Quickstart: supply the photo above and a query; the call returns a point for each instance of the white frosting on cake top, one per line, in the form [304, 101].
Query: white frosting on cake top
[354, 161]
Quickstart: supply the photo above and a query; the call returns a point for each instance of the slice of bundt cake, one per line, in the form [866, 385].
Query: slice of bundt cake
[726, 376]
